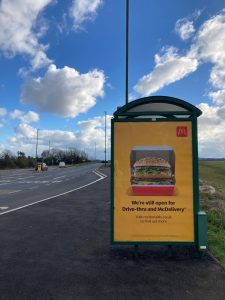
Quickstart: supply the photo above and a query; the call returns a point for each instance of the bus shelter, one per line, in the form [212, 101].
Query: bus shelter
[154, 174]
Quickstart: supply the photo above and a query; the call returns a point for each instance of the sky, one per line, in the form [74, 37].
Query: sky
[62, 68]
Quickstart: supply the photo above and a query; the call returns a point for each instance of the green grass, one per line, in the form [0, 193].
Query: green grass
[213, 173]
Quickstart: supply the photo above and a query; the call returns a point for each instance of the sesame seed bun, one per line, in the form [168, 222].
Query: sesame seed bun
[152, 161]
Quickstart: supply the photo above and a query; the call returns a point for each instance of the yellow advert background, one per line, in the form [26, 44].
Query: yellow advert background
[153, 218]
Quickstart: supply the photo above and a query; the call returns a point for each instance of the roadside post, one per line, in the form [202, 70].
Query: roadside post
[154, 174]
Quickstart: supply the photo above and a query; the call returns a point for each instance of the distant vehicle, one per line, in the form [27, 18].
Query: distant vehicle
[41, 167]
[62, 164]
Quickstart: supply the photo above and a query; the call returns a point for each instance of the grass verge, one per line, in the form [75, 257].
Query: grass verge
[213, 173]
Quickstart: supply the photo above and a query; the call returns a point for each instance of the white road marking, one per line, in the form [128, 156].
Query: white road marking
[101, 175]
[13, 192]
[3, 207]
[21, 178]
[59, 177]
[34, 182]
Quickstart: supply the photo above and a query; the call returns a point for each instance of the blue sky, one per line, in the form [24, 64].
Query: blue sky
[62, 65]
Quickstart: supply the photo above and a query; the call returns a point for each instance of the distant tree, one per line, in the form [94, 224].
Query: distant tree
[71, 156]
[7, 159]
[20, 154]
[45, 154]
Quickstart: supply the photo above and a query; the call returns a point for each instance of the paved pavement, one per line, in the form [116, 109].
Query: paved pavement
[60, 249]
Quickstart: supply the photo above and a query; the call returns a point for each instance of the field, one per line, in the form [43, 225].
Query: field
[213, 173]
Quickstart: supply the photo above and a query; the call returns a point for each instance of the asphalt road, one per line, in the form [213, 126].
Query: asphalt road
[59, 249]
[19, 188]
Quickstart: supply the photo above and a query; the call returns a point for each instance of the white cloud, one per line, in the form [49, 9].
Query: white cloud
[3, 111]
[184, 28]
[25, 139]
[132, 96]
[29, 117]
[19, 33]
[209, 41]
[89, 137]
[26, 131]
[218, 97]
[16, 114]
[65, 91]
[92, 131]
[169, 67]
[57, 137]
[207, 47]
[2, 148]
[96, 122]
[211, 131]
[217, 76]
[84, 10]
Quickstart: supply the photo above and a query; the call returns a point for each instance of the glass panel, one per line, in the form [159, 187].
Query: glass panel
[156, 107]
[150, 117]
[181, 116]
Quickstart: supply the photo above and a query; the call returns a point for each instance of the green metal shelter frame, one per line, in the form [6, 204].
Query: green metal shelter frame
[163, 109]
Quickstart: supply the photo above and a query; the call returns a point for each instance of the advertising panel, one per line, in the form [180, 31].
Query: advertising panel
[153, 182]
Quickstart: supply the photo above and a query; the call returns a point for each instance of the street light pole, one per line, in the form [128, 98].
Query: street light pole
[37, 146]
[127, 48]
[105, 138]
[49, 149]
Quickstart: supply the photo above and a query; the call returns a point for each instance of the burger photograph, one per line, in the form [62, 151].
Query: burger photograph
[152, 170]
